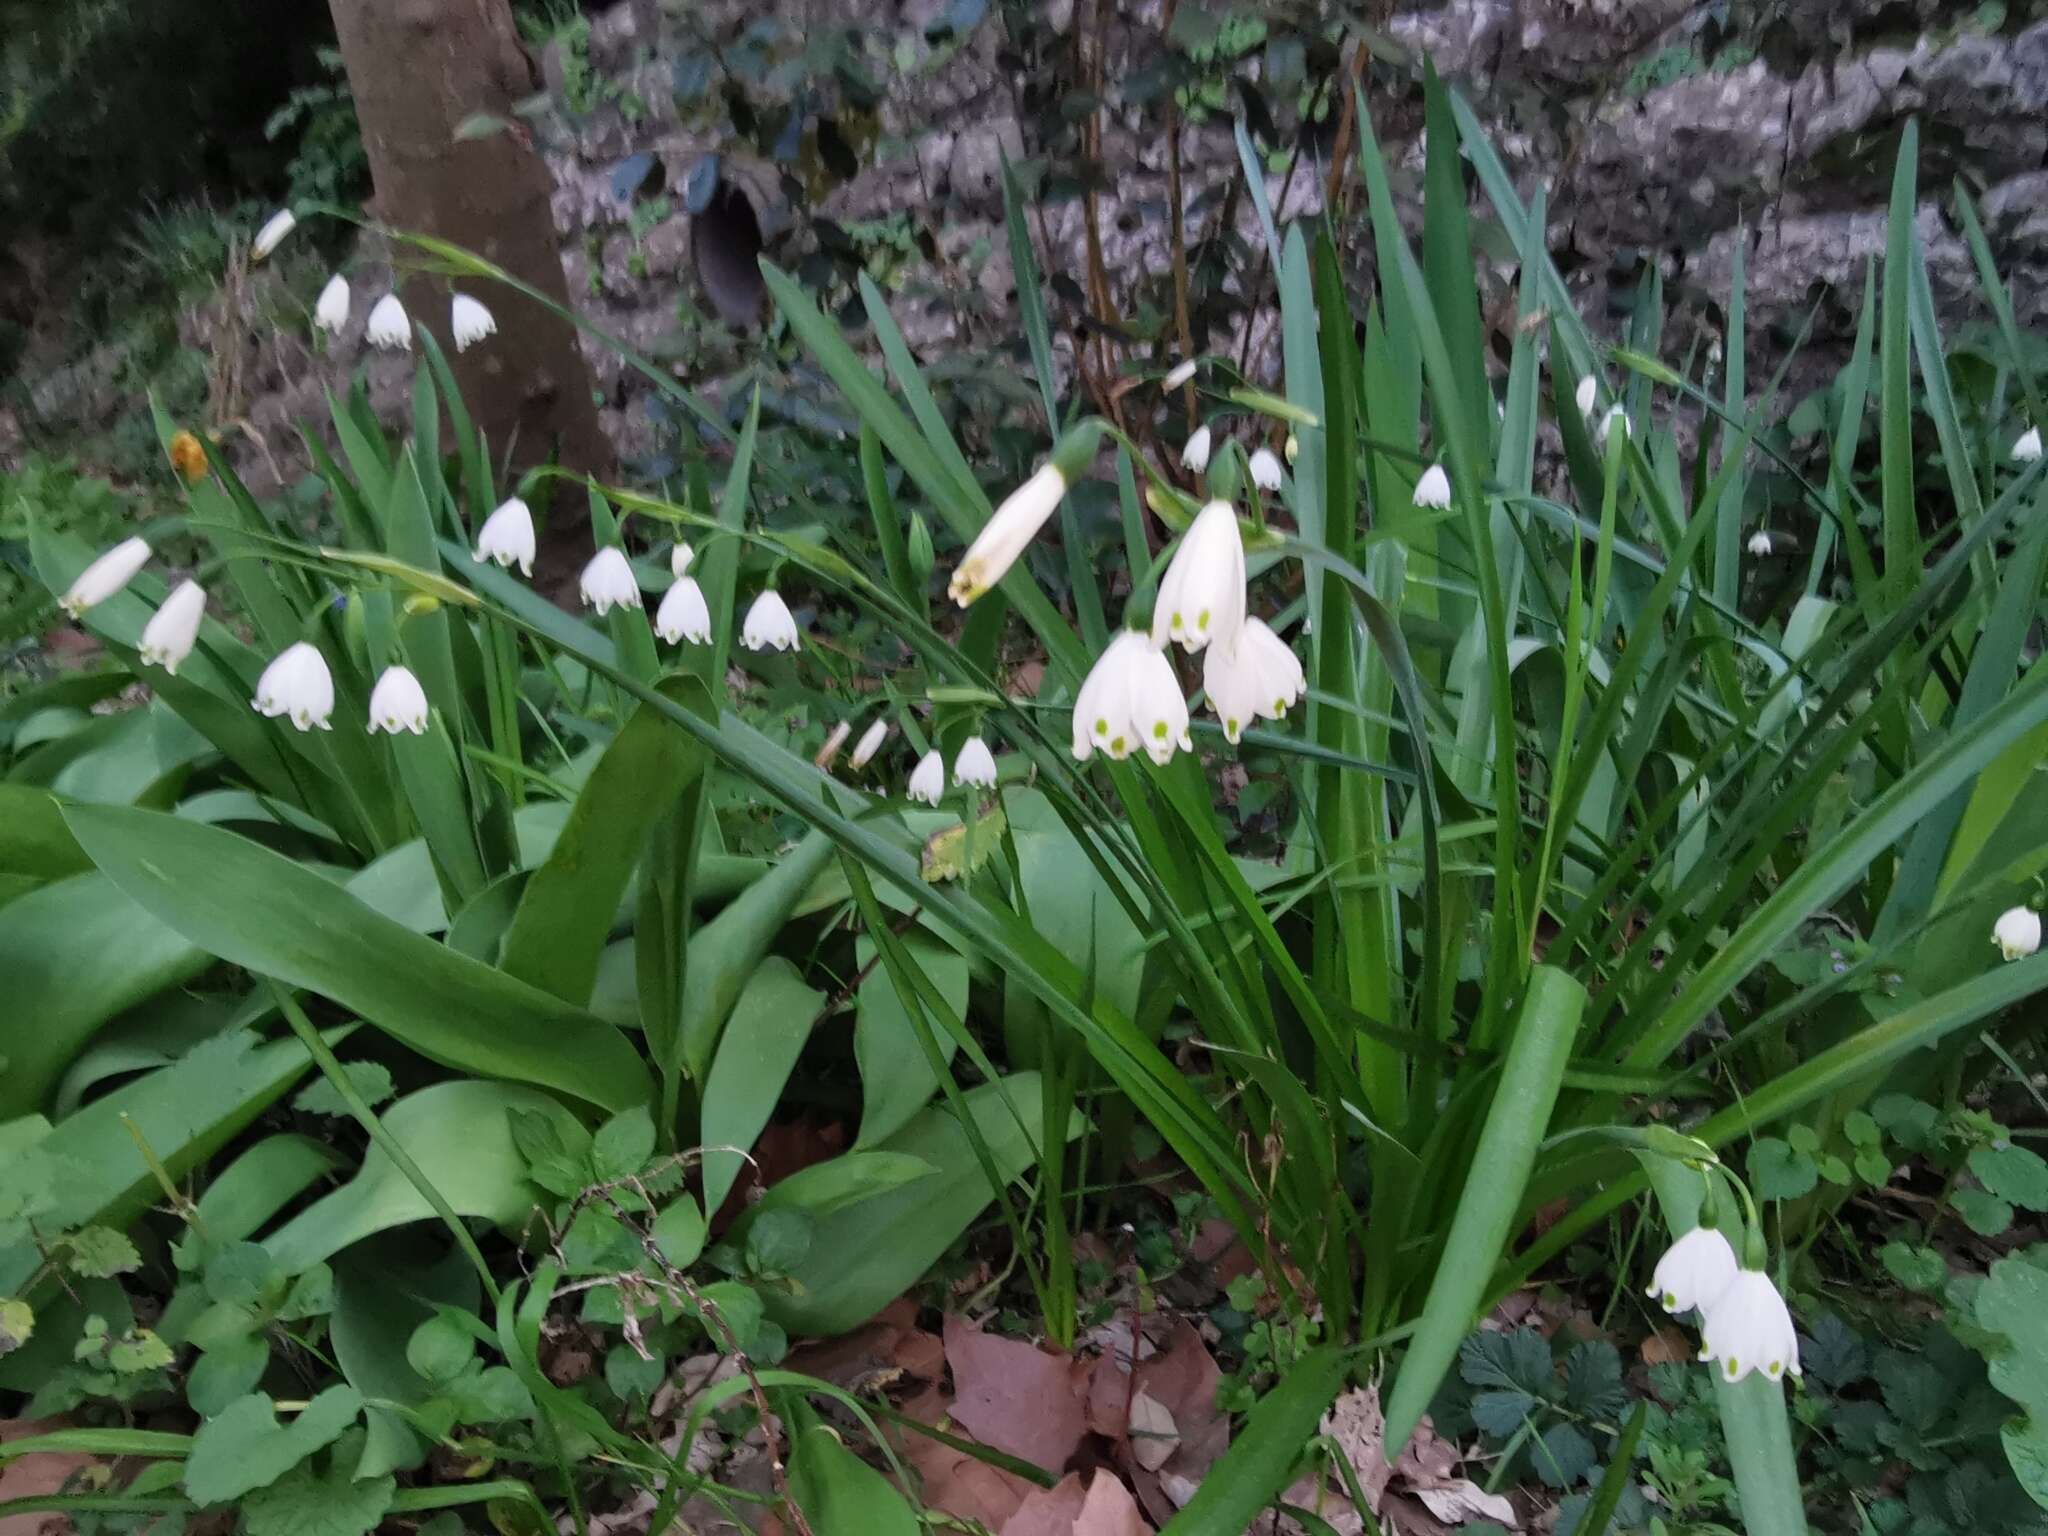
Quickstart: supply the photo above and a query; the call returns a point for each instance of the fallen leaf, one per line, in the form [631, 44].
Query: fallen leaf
[1049, 1511]
[1667, 1346]
[1359, 1428]
[1183, 1380]
[1109, 1510]
[953, 1481]
[1154, 1438]
[1457, 1502]
[1014, 1396]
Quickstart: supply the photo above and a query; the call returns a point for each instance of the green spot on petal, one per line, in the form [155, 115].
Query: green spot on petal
[1159, 731]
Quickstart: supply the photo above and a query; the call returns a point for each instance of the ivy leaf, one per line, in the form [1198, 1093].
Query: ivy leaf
[1873, 1167]
[2017, 1175]
[137, 1351]
[1861, 1129]
[623, 1144]
[1986, 1214]
[1562, 1456]
[1780, 1171]
[1914, 1267]
[244, 1448]
[1906, 1120]
[371, 1081]
[100, 1253]
[1500, 1413]
[304, 1502]
[1520, 1359]
[1803, 1138]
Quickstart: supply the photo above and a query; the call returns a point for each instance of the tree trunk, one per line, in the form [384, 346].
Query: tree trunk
[418, 69]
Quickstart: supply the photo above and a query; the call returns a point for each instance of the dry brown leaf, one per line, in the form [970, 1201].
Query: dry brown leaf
[1154, 1436]
[30, 1477]
[1049, 1511]
[1460, 1501]
[1110, 1510]
[1667, 1346]
[1015, 1396]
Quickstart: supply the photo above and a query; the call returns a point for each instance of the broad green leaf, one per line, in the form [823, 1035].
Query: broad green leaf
[2013, 1300]
[333, 1501]
[1263, 1457]
[756, 1053]
[840, 1494]
[566, 913]
[460, 1135]
[245, 1448]
[267, 914]
[381, 1294]
[1485, 1220]
[33, 838]
[865, 1254]
[896, 1078]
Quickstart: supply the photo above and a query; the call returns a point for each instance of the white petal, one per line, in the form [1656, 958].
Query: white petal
[928, 779]
[1178, 375]
[173, 629]
[608, 581]
[330, 313]
[1615, 414]
[271, 235]
[1201, 597]
[679, 559]
[2028, 447]
[398, 703]
[1102, 709]
[388, 326]
[1760, 543]
[976, 764]
[1266, 472]
[507, 536]
[869, 744]
[769, 624]
[2017, 932]
[105, 576]
[1587, 395]
[1434, 488]
[1004, 536]
[298, 686]
[1195, 456]
[1748, 1328]
[1694, 1271]
[683, 614]
[1158, 710]
[469, 321]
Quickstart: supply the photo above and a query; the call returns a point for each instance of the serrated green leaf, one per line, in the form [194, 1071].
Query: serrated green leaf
[244, 1274]
[623, 1144]
[544, 1141]
[17, 1324]
[1908, 1121]
[1562, 1456]
[1592, 1380]
[1502, 1411]
[1832, 1354]
[492, 1395]
[244, 1448]
[137, 1351]
[325, 1502]
[1519, 1359]
[100, 1253]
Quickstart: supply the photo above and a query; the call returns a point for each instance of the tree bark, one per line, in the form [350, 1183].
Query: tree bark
[417, 69]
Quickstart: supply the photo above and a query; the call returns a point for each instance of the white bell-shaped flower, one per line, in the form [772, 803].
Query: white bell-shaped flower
[1194, 456]
[1292, 447]
[869, 744]
[1131, 699]
[398, 703]
[679, 559]
[1694, 1271]
[105, 576]
[1760, 543]
[608, 581]
[1749, 1328]
[330, 311]
[1202, 596]
[1178, 375]
[1615, 416]
[507, 536]
[173, 629]
[1587, 395]
[928, 778]
[271, 235]
[469, 321]
[388, 326]
[1266, 472]
[975, 765]
[2028, 446]
[770, 624]
[1004, 536]
[683, 614]
[1258, 675]
[298, 686]
[1434, 488]
[2017, 933]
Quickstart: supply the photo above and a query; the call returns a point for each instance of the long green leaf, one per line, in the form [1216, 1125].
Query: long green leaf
[1262, 1459]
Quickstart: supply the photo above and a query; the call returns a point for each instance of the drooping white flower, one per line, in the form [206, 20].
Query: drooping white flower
[1694, 1271]
[1194, 457]
[1258, 675]
[2017, 933]
[1615, 414]
[1179, 374]
[683, 614]
[398, 703]
[2028, 447]
[1293, 447]
[507, 536]
[469, 322]
[298, 686]
[1587, 395]
[770, 623]
[1202, 596]
[330, 311]
[173, 629]
[869, 744]
[1265, 469]
[1434, 488]
[1131, 699]
[1003, 537]
[271, 235]
[608, 581]
[679, 559]
[975, 765]
[1760, 543]
[1748, 1328]
[834, 740]
[388, 327]
[928, 778]
[105, 576]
